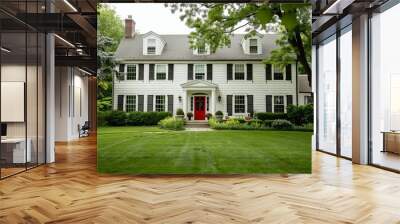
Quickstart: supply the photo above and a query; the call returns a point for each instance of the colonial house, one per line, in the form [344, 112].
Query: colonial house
[162, 73]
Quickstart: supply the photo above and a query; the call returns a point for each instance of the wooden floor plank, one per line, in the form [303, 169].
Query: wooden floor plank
[71, 191]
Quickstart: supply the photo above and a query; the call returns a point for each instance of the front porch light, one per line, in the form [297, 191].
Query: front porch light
[219, 98]
[180, 98]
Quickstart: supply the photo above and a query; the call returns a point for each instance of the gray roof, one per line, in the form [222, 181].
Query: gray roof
[304, 85]
[177, 48]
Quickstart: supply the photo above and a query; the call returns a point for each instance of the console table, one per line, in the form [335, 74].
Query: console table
[13, 150]
[391, 141]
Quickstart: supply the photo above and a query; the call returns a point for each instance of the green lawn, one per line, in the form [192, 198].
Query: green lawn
[150, 150]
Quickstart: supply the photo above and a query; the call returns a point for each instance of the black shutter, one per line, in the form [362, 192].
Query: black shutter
[250, 104]
[141, 72]
[249, 72]
[209, 72]
[151, 71]
[268, 72]
[268, 103]
[289, 100]
[288, 72]
[141, 103]
[121, 74]
[120, 102]
[229, 71]
[171, 104]
[149, 103]
[170, 71]
[190, 71]
[229, 104]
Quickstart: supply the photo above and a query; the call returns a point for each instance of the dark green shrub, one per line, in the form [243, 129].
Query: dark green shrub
[219, 113]
[268, 123]
[189, 115]
[152, 118]
[300, 115]
[180, 112]
[208, 115]
[270, 116]
[135, 119]
[172, 123]
[241, 120]
[102, 117]
[116, 118]
[282, 124]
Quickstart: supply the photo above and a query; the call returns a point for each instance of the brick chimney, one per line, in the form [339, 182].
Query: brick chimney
[129, 27]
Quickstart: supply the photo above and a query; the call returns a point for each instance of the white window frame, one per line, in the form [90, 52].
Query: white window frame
[283, 74]
[148, 45]
[284, 103]
[234, 72]
[234, 104]
[126, 103]
[136, 70]
[156, 71]
[253, 46]
[194, 71]
[155, 103]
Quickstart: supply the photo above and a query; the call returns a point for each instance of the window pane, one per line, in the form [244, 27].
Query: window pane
[161, 72]
[278, 73]
[200, 71]
[239, 104]
[253, 42]
[131, 72]
[279, 104]
[130, 103]
[239, 71]
[253, 46]
[160, 103]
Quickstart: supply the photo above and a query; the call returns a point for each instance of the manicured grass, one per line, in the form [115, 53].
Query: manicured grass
[150, 150]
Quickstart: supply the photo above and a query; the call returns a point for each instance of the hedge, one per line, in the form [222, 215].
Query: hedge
[271, 116]
[121, 118]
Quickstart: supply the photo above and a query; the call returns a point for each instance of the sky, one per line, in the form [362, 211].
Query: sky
[153, 17]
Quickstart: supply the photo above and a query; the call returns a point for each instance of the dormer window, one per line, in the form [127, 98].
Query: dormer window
[253, 46]
[202, 50]
[151, 46]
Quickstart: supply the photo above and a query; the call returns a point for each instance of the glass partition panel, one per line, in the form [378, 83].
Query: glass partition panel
[385, 89]
[346, 92]
[327, 95]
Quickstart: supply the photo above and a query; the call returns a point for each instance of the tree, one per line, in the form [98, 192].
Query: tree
[109, 24]
[213, 23]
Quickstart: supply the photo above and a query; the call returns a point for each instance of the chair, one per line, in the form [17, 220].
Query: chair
[84, 130]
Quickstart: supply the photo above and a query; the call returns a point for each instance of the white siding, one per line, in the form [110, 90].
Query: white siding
[258, 87]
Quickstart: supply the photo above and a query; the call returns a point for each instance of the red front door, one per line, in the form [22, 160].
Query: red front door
[199, 107]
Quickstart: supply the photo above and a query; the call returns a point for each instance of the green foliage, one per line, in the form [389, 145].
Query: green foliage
[116, 118]
[300, 115]
[179, 111]
[270, 116]
[209, 115]
[121, 118]
[102, 117]
[109, 24]
[282, 124]
[172, 123]
[268, 123]
[189, 115]
[104, 104]
[219, 113]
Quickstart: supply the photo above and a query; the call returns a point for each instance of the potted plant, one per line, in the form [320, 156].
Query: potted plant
[219, 115]
[180, 114]
[208, 115]
[189, 115]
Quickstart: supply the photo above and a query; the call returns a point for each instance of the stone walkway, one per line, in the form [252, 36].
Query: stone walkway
[198, 129]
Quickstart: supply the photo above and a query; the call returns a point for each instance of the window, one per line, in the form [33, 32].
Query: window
[278, 73]
[160, 103]
[202, 50]
[199, 72]
[308, 100]
[161, 72]
[208, 104]
[131, 72]
[239, 72]
[240, 104]
[130, 104]
[279, 104]
[151, 46]
[191, 103]
[253, 46]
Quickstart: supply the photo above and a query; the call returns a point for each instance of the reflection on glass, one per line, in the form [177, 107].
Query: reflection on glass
[327, 96]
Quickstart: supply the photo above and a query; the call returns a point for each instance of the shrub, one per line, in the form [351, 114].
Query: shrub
[171, 123]
[256, 123]
[268, 123]
[116, 118]
[270, 116]
[219, 113]
[152, 118]
[282, 124]
[209, 115]
[300, 115]
[102, 117]
[135, 119]
[189, 115]
[180, 112]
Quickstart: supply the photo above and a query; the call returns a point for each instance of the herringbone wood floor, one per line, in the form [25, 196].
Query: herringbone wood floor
[70, 191]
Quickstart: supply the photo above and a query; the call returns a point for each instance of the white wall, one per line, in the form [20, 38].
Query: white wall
[71, 87]
[258, 87]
